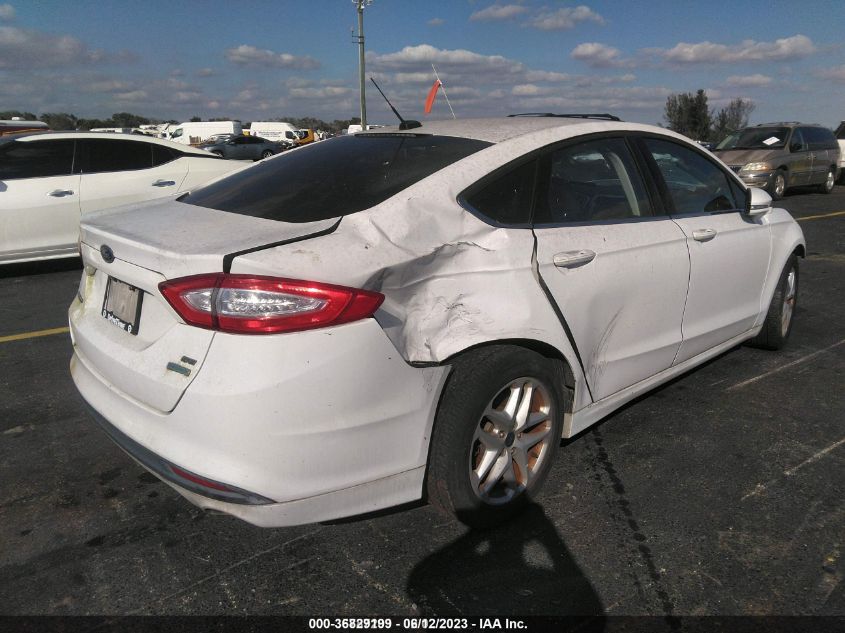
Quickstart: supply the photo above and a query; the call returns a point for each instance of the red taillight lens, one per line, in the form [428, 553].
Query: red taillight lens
[250, 304]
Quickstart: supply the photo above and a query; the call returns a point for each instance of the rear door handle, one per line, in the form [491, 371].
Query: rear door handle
[703, 235]
[164, 183]
[573, 259]
[60, 193]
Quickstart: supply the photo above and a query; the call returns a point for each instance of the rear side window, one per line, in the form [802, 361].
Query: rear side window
[109, 155]
[695, 183]
[506, 199]
[819, 138]
[36, 159]
[163, 155]
[591, 182]
[333, 178]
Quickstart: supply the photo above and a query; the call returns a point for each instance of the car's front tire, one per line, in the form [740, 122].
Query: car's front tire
[217, 152]
[779, 318]
[497, 430]
[779, 184]
[266, 154]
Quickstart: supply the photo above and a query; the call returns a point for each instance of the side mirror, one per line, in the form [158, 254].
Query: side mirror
[796, 147]
[759, 202]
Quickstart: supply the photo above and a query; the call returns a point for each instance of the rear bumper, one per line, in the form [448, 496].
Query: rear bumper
[294, 428]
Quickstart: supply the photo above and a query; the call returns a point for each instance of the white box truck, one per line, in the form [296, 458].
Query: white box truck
[196, 132]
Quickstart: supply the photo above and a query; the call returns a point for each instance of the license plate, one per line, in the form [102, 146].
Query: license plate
[122, 305]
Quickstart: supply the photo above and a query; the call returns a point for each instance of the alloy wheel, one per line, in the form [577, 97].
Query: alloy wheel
[788, 302]
[511, 441]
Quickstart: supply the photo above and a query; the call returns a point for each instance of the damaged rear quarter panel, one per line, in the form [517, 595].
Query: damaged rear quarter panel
[450, 280]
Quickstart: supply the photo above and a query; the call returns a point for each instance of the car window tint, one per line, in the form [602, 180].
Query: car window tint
[107, 155]
[593, 181]
[840, 131]
[695, 183]
[507, 198]
[163, 155]
[333, 178]
[797, 141]
[36, 159]
[819, 138]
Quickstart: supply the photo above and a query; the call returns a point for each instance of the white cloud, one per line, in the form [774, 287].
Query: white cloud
[787, 48]
[564, 18]
[27, 49]
[749, 81]
[498, 12]
[436, 22]
[206, 72]
[545, 75]
[459, 62]
[245, 55]
[327, 92]
[597, 55]
[837, 73]
[7, 12]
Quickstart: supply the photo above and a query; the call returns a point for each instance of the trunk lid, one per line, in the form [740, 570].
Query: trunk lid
[177, 239]
[137, 344]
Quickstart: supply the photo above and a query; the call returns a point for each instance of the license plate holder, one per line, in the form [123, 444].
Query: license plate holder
[122, 305]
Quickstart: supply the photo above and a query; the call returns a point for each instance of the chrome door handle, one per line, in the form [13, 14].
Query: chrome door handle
[573, 259]
[703, 235]
[164, 183]
[60, 193]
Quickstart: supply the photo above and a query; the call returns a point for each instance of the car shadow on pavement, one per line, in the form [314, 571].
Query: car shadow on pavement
[521, 567]
[41, 267]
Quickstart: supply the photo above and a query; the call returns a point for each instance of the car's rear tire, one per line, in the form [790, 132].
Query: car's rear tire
[497, 430]
[779, 184]
[779, 318]
[829, 181]
[217, 152]
[266, 154]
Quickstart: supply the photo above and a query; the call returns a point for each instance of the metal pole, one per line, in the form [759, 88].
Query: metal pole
[361, 64]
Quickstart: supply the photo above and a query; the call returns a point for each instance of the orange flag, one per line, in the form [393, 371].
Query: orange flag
[431, 95]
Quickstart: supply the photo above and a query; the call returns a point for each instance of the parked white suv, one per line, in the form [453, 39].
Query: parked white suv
[418, 313]
[49, 180]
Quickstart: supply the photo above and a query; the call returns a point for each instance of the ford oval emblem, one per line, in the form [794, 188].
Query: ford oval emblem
[107, 253]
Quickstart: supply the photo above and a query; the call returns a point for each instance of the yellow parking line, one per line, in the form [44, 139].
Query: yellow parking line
[26, 335]
[819, 217]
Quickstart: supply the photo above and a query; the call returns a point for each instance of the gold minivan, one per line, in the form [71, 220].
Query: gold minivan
[777, 156]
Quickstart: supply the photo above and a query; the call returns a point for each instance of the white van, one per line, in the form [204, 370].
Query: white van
[195, 132]
[271, 130]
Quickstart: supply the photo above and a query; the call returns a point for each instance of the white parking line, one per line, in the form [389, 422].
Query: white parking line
[803, 359]
[791, 471]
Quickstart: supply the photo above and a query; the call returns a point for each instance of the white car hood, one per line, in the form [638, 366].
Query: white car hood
[177, 239]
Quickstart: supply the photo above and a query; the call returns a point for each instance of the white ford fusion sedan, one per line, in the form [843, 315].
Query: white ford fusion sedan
[418, 313]
[49, 180]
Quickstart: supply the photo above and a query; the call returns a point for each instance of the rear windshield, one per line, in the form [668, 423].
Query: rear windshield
[333, 178]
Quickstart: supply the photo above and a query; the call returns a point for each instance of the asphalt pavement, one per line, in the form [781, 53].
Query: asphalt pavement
[719, 493]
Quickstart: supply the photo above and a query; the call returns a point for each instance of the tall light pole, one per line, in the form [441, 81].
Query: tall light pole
[361, 4]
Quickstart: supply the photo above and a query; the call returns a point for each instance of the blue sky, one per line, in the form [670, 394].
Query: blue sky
[258, 59]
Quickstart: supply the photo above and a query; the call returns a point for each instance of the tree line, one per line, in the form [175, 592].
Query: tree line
[67, 121]
[689, 114]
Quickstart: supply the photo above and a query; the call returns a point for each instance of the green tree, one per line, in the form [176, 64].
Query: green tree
[59, 120]
[10, 114]
[126, 119]
[730, 118]
[688, 114]
[195, 119]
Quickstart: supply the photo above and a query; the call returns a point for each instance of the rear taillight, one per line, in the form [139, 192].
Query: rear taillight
[250, 304]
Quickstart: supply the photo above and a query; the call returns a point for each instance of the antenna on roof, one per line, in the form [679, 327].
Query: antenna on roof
[403, 124]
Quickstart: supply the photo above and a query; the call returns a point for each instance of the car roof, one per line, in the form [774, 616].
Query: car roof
[496, 130]
[138, 138]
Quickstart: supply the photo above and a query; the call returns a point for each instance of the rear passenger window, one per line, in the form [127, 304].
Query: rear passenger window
[109, 155]
[35, 159]
[163, 155]
[590, 182]
[819, 138]
[507, 199]
[694, 182]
